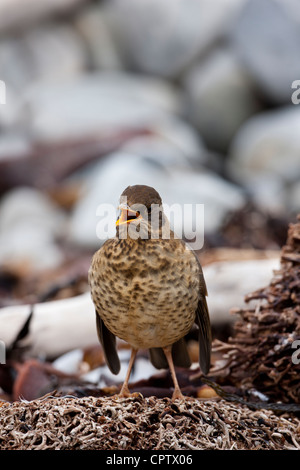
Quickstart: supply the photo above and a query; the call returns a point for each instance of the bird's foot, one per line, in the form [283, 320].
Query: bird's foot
[177, 395]
[125, 393]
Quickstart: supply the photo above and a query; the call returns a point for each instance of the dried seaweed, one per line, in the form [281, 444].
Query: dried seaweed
[134, 423]
[250, 227]
[260, 352]
[255, 362]
[253, 405]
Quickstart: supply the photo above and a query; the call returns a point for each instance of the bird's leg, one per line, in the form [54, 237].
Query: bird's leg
[125, 390]
[177, 392]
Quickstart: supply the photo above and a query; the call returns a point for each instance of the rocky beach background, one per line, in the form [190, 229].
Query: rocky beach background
[197, 98]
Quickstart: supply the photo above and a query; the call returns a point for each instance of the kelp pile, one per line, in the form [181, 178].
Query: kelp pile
[263, 353]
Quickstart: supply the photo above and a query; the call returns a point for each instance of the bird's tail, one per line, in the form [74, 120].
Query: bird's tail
[180, 356]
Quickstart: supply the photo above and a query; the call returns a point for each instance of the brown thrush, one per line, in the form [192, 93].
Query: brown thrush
[148, 289]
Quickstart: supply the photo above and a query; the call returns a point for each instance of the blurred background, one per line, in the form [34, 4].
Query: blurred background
[192, 97]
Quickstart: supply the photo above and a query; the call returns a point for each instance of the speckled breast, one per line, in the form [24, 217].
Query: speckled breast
[145, 291]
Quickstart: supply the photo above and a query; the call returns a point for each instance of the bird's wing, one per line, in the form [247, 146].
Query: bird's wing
[203, 322]
[106, 337]
[108, 342]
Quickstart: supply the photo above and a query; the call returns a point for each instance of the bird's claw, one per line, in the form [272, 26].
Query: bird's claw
[128, 394]
[177, 395]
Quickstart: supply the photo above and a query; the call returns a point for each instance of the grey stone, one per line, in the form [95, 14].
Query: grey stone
[51, 52]
[219, 98]
[164, 37]
[294, 197]
[265, 154]
[15, 14]
[92, 24]
[29, 225]
[230, 281]
[13, 145]
[12, 114]
[292, 9]
[98, 102]
[173, 137]
[266, 37]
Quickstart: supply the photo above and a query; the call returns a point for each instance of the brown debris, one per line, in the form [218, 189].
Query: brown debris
[135, 423]
[21, 285]
[260, 352]
[46, 166]
[256, 358]
[251, 227]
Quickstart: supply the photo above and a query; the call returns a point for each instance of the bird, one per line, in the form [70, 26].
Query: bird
[148, 289]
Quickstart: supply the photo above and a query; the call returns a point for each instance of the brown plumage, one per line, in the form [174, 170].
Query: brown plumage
[148, 290]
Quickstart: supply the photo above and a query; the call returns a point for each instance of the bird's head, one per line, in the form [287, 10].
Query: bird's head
[141, 213]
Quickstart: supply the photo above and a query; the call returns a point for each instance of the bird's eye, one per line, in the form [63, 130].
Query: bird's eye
[133, 216]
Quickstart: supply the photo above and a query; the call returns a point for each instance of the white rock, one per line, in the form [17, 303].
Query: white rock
[30, 246]
[98, 103]
[219, 98]
[17, 13]
[23, 60]
[93, 26]
[294, 197]
[12, 114]
[21, 204]
[175, 144]
[264, 155]
[29, 225]
[143, 369]
[13, 145]
[292, 9]
[182, 137]
[164, 37]
[266, 37]
[228, 283]
[268, 192]
[69, 362]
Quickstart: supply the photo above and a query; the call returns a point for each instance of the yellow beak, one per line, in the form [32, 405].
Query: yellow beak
[127, 216]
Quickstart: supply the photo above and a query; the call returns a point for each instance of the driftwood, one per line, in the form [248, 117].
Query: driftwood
[264, 350]
[229, 281]
[62, 325]
[56, 327]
